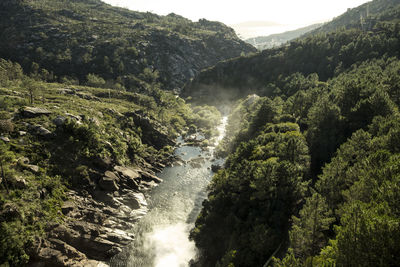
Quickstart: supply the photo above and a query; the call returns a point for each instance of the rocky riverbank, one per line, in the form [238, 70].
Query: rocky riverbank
[97, 224]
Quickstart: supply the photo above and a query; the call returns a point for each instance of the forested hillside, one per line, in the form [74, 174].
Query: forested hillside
[311, 177]
[75, 161]
[66, 41]
[326, 54]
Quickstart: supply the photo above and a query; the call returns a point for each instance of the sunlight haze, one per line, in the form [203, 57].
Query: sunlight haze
[285, 14]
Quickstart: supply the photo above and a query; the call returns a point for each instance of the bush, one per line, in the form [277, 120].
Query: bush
[6, 126]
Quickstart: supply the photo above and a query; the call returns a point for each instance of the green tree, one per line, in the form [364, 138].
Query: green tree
[308, 234]
[95, 80]
[33, 88]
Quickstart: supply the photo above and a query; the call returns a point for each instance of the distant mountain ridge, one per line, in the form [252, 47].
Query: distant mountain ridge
[273, 40]
[75, 38]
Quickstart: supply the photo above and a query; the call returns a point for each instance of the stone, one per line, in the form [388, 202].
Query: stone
[103, 163]
[5, 139]
[195, 164]
[127, 172]
[75, 117]
[19, 182]
[32, 168]
[23, 161]
[150, 177]
[41, 131]
[111, 175]
[59, 121]
[108, 184]
[67, 207]
[31, 112]
[21, 133]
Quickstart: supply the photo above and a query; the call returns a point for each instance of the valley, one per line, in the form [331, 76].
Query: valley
[133, 139]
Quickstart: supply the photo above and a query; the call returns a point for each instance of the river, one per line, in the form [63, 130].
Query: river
[162, 234]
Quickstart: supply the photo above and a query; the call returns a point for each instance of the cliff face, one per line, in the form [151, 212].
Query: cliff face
[74, 38]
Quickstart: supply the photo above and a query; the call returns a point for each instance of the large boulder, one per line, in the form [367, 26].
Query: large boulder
[31, 112]
[127, 172]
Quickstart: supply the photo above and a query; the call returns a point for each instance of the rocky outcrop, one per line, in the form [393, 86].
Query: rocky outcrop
[153, 132]
[97, 224]
[31, 112]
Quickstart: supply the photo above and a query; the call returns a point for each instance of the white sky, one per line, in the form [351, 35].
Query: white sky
[290, 13]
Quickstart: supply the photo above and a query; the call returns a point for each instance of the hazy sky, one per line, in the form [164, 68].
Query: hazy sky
[291, 13]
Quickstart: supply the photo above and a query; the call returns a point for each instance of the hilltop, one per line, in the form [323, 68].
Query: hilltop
[67, 40]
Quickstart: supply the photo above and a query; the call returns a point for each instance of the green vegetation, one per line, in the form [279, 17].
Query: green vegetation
[311, 177]
[82, 131]
[91, 43]
[285, 70]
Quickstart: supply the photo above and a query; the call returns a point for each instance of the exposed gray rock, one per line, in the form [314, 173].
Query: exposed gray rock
[5, 139]
[75, 117]
[32, 168]
[40, 130]
[32, 112]
[67, 207]
[149, 177]
[111, 175]
[127, 172]
[43, 131]
[59, 121]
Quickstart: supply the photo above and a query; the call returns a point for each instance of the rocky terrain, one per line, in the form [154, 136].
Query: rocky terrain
[68, 40]
[76, 163]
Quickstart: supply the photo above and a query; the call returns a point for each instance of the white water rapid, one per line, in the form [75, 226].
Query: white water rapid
[162, 234]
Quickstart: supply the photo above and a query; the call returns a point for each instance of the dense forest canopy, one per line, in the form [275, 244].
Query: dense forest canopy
[311, 177]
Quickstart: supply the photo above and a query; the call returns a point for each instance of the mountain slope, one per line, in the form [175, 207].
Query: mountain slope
[312, 170]
[265, 42]
[75, 38]
[326, 54]
[363, 16]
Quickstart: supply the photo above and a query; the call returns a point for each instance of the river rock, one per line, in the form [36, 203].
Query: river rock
[150, 177]
[31, 112]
